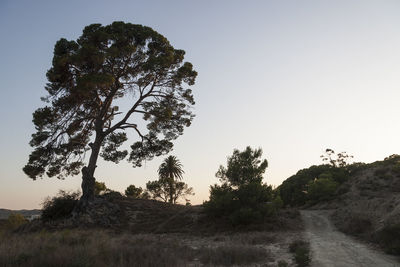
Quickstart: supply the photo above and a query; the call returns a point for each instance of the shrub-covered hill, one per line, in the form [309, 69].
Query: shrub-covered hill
[369, 204]
[366, 198]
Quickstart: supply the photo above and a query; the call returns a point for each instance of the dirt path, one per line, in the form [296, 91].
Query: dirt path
[330, 247]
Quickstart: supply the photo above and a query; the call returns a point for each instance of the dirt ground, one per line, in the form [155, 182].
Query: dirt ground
[330, 247]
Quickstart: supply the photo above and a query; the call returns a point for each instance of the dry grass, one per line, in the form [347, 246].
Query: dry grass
[90, 248]
[106, 248]
[229, 255]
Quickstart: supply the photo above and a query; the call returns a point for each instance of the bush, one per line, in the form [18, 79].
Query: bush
[389, 238]
[293, 190]
[248, 204]
[242, 198]
[357, 224]
[60, 206]
[15, 220]
[301, 251]
[321, 189]
[112, 195]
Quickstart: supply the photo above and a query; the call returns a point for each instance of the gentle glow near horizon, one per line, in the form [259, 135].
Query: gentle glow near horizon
[290, 77]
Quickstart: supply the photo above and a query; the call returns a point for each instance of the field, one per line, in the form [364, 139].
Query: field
[151, 233]
[107, 248]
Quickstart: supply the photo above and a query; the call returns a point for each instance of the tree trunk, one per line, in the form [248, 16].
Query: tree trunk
[171, 188]
[88, 180]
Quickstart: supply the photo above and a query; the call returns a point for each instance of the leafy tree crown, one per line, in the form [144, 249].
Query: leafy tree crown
[243, 167]
[87, 76]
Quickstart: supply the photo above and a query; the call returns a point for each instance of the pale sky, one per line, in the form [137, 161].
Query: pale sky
[291, 77]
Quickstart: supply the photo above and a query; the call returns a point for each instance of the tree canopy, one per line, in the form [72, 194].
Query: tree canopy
[243, 167]
[87, 78]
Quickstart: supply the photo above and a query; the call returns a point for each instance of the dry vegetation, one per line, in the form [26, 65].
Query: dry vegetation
[151, 233]
[108, 248]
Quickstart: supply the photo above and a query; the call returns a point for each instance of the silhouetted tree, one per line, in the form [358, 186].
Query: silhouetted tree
[339, 160]
[167, 187]
[161, 189]
[169, 171]
[133, 191]
[87, 78]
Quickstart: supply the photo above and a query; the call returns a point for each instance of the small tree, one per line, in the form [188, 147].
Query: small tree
[339, 160]
[242, 196]
[87, 78]
[161, 189]
[167, 188]
[133, 191]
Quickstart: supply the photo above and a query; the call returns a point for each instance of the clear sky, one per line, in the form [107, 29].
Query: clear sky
[291, 77]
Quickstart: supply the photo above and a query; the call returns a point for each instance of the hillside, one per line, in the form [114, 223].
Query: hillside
[365, 198]
[367, 205]
[371, 199]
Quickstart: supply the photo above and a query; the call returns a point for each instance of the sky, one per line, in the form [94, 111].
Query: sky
[290, 77]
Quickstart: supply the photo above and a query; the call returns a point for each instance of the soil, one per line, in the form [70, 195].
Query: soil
[329, 247]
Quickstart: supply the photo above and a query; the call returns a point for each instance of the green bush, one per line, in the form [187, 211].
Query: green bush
[321, 189]
[294, 191]
[60, 206]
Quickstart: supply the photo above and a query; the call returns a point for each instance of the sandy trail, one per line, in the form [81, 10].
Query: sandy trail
[330, 247]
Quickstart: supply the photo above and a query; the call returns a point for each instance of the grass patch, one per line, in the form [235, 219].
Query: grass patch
[91, 248]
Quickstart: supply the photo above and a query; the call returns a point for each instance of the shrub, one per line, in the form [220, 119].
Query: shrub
[293, 190]
[301, 251]
[99, 188]
[242, 198]
[60, 206]
[357, 225]
[248, 204]
[15, 220]
[389, 238]
[323, 188]
[112, 195]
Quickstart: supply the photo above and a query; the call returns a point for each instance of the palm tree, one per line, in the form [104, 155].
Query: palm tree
[171, 170]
